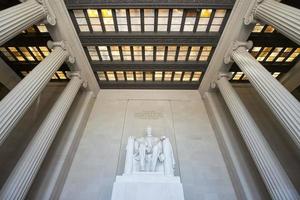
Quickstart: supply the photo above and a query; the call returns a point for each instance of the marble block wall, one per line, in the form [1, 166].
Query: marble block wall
[180, 115]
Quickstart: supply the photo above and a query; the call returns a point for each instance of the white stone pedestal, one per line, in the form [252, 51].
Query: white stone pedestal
[147, 186]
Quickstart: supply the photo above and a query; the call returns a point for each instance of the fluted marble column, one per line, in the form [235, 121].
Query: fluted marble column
[273, 175]
[285, 19]
[16, 19]
[22, 176]
[283, 104]
[14, 105]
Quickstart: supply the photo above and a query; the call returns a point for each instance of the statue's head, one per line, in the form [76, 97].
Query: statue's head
[149, 131]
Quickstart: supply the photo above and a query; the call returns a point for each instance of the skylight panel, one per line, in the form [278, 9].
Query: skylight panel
[44, 50]
[293, 55]
[196, 76]
[194, 53]
[182, 53]
[137, 53]
[158, 76]
[255, 51]
[160, 53]
[81, 20]
[177, 76]
[129, 76]
[7, 54]
[120, 76]
[111, 76]
[187, 76]
[135, 19]
[36, 53]
[149, 20]
[190, 21]
[269, 29]
[162, 23]
[205, 53]
[274, 53]
[204, 19]
[148, 53]
[115, 53]
[54, 77]
[237, 76]
[26, 53]
[149, 76]
[126, 53]
[61, 75]
[94, 19]
[171, 53]
[104, 52]
[16, 53]
[284, 54]
[42, 28]
[93, 53]
[31, 29]
[139, 76]
[101, 76]
[257, 28]
[264, 53]
[168, 76]
[176, 19]
[244, 78]
[217, 21]
[276, 74]
[122, 20]
[108, 20]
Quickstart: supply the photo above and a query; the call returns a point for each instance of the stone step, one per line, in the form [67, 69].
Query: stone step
[147, 188]
[148, 178]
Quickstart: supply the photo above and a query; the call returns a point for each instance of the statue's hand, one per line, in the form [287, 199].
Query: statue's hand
[161, 157]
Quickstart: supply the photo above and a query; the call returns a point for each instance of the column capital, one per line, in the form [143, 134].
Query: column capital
[51, 44]
[226, 75]
[50, 18]
[234, 46]
[72, 74]
[249, 17]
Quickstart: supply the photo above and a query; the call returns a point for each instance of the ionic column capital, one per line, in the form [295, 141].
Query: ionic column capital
[226, 75]
[50, 17]
[51, 44]
[236, 45]
[250, 14]
[71, 74]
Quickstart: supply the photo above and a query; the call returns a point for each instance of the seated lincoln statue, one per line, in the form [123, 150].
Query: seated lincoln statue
[149, 154]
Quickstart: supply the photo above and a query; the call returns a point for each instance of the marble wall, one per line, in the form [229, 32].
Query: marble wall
[180, 115]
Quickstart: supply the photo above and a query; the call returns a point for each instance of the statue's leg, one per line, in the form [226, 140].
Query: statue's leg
[142, 152]
[155, 154]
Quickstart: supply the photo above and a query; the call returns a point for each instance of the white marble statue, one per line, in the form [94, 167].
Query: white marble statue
[149, 154]
[149, 171]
